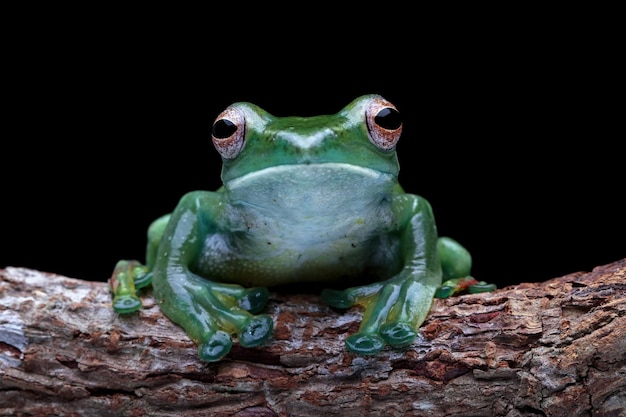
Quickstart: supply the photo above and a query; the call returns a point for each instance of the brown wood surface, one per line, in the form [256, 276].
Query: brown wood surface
[556, 348]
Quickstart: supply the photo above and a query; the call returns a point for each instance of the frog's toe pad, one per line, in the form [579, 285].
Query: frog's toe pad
[337, 299]
[254, 299]
[126, 304]
[256, 331]
[215, 347]
[365, 344]
[398, 334]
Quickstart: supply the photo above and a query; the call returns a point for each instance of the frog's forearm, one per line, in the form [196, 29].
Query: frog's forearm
[171, 269]
[397, 307]
[422, 267]
[419, 244]
[421, 274]
[208, 311]
[416, 284]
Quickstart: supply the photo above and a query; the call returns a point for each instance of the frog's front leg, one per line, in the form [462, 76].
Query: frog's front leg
[395, 308]
[209, 312]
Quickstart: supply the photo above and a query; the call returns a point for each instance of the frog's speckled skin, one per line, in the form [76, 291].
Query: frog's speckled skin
[311, 199]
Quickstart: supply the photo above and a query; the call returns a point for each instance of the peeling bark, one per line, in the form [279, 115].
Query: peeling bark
[556, 348]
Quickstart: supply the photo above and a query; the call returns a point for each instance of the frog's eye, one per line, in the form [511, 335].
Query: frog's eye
[228, 132]
[384, 124]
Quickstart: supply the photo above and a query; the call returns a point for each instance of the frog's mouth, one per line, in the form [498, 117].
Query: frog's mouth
[308, 173]
[319, 187]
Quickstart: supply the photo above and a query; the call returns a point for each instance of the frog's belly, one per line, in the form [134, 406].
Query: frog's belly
[299, 256]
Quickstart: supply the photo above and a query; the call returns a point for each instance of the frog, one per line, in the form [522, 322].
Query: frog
[312, 199]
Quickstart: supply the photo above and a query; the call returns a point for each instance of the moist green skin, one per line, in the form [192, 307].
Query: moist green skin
[311, 199]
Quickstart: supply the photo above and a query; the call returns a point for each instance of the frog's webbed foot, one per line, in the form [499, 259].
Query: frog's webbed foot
[211, 312]
[393, 312]
[126, 279]
[468, 284]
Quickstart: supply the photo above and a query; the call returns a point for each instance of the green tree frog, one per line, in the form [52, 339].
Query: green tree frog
[304, 199]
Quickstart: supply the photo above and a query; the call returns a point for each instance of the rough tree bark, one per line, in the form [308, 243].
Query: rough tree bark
[556, 348]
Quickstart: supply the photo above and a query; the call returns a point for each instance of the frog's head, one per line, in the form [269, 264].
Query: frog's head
[363, 135]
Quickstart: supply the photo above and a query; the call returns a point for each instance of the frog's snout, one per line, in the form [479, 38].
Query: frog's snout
[306, 141]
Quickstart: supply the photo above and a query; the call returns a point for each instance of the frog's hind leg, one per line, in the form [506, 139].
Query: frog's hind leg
[156, 230]
[456, 265]
[127, 278]
[129, 275]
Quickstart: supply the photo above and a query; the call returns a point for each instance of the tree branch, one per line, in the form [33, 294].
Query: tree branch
[556, 348]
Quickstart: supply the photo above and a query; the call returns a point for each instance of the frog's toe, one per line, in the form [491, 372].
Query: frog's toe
[256, 331]
[338, 298]
[126, 304]
[444, 291]
[143, 278]
[254, 299]
[215, 347]
[398, 334]
[365, 344]
[482, 286]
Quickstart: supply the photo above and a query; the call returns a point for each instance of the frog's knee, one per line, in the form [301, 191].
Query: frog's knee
[157, 228]
[456, 261]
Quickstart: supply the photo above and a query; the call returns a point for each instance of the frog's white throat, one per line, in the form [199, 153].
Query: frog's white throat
[310, 188]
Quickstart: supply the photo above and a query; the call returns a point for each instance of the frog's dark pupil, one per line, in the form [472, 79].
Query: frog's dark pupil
[388, 118]
[223, 128]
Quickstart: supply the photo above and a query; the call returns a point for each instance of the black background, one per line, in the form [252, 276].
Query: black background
[515, 141]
